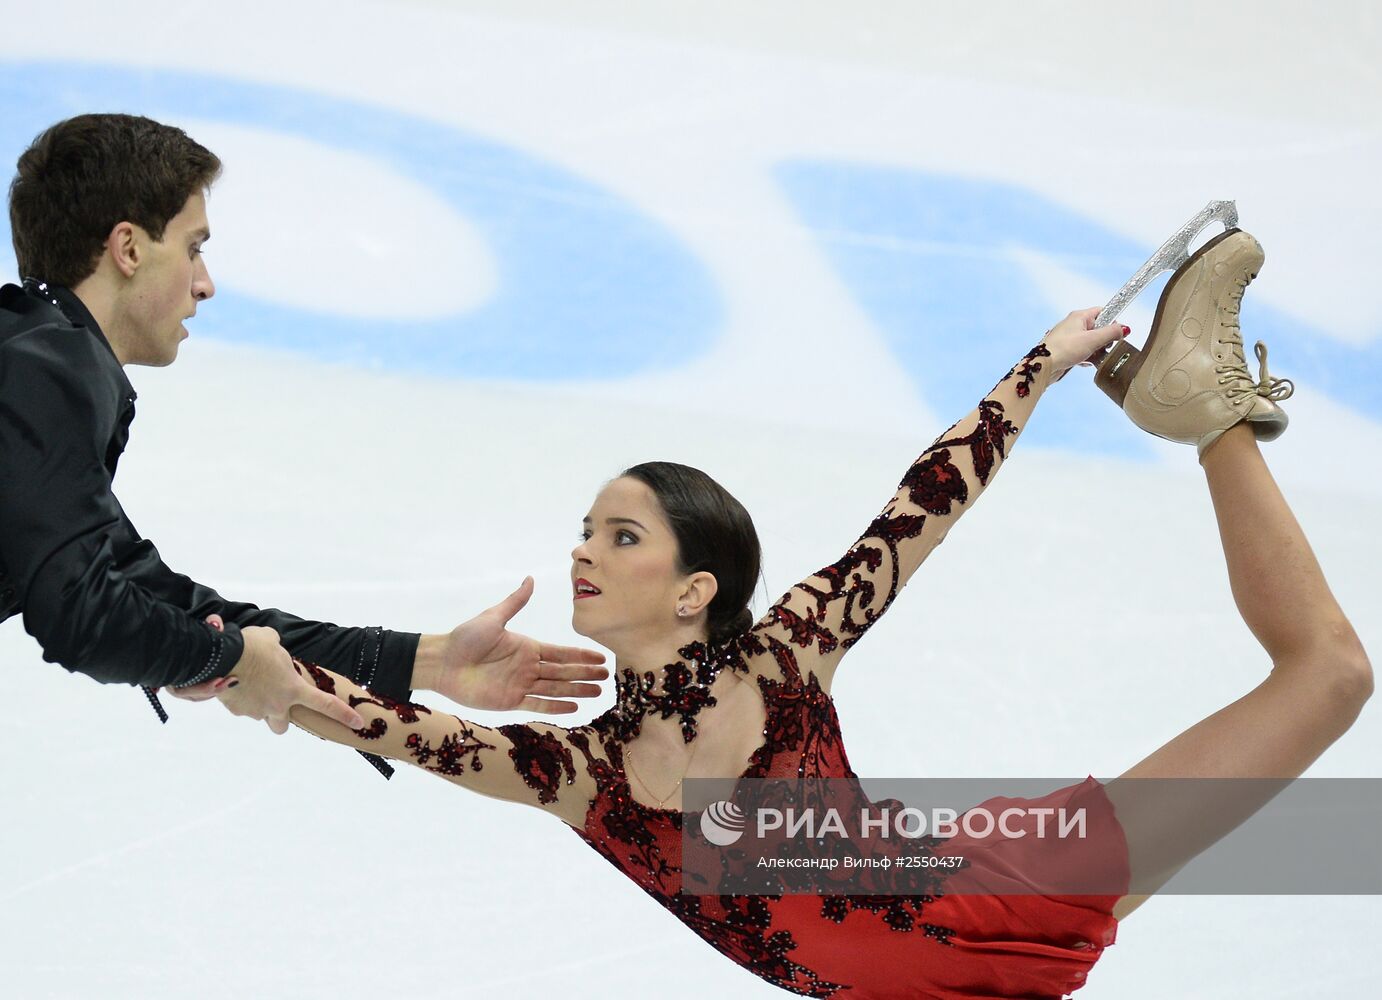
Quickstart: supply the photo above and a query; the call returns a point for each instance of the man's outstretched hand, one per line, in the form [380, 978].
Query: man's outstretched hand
[481, 664]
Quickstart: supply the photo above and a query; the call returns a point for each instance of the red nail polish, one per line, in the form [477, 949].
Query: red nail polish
[1126, 331]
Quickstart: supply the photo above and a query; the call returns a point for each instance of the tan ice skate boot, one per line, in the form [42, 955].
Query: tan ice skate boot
[1190, 383]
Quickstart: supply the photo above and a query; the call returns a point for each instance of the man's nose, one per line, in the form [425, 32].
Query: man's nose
[202, 285]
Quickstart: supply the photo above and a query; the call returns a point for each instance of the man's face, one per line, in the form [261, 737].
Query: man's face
[170, 281]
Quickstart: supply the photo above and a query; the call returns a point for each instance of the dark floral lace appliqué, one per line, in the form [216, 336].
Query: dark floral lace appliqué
[1027, 370]
[319, 676]
[406, 711]
[935, 485]
[540, 759]
[455, 751]
[685, 691]
[376, 728]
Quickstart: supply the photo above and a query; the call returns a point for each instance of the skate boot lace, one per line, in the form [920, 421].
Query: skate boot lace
[1234, 370]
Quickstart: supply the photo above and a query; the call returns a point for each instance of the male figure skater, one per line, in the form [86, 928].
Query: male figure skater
[109, 217]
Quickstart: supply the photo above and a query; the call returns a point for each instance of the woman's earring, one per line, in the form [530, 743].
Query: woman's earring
[681, 610]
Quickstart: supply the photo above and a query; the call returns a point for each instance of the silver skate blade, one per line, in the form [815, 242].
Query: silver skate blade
[1173, 253]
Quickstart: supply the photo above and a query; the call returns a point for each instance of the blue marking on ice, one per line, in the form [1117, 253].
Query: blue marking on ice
[929, 256]
[589, 287]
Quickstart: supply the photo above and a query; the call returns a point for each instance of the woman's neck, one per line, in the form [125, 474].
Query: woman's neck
[677, 690]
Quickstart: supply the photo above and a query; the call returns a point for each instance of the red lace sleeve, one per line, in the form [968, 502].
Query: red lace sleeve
[530, 763]
[828, 612]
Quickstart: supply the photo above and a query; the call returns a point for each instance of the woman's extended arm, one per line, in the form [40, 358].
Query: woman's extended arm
[531, 763]
[828, 612]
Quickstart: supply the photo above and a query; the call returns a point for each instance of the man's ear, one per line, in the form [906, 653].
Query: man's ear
[701, 589]
[124, 245]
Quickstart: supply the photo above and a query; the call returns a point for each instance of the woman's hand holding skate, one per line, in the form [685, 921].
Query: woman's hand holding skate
[1076, 341]
[481, 664]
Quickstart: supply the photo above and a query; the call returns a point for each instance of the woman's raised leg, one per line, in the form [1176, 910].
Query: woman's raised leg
[1320, 675]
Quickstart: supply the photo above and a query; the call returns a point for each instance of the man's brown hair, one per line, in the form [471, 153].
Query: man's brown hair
[84, 174]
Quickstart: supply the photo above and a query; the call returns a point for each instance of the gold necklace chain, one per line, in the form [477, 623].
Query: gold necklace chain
[628, 754]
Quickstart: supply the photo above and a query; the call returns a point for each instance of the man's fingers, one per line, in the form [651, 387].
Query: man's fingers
[564, 688]
[569, 654]
[574, 672]
[200, 692]
[546, 707]
[514, 603]
[581, 691]
[192, 694]
[334, 708]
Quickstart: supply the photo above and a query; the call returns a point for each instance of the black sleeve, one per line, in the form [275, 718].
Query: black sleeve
[374, 658]
[60, 526]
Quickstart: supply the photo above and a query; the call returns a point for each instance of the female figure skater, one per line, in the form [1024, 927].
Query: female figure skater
[663, 576]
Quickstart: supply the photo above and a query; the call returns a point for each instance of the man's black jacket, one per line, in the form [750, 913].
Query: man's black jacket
[96, 596]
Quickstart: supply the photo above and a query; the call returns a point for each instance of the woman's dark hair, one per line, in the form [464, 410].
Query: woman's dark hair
[83, 175]
[714, 535]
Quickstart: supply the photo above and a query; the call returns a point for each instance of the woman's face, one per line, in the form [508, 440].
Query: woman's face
[624, 578]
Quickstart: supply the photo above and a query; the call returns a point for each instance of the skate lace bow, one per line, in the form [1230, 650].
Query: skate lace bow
[1236, 371]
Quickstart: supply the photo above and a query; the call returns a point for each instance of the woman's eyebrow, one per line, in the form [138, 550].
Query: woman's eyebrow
[616, 520]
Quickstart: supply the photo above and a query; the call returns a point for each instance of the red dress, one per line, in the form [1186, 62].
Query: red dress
[925, 943]
[854, 946]
[850, 946]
